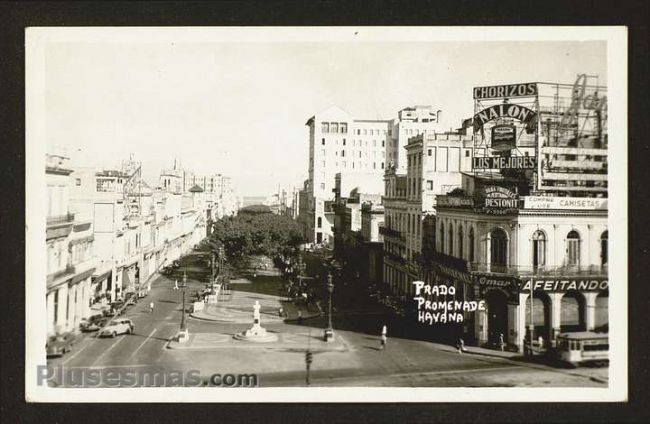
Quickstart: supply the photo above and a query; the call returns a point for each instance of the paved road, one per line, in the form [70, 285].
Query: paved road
[408, 363]
[144, 348]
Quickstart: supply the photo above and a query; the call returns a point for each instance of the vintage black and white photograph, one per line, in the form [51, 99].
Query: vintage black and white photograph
[308, 209]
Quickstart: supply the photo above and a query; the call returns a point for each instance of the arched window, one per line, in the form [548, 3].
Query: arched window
[604, 237]
[451, 239]
[442, 238]
[573, 248]
[498, 247]
[460, 242]
[539, 248]
[471, 244]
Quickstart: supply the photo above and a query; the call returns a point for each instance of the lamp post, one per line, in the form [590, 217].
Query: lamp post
[329, 332]
[213, 262]
[183, 329]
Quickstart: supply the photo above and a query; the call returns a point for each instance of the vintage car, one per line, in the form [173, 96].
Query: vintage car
[93, 323]
[60, 344]
[118, 326]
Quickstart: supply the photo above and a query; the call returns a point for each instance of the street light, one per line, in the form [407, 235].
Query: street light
[183, 313]
[329, 333]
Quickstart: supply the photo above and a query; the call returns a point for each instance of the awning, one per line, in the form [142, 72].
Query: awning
[82, 276]
[101, 277]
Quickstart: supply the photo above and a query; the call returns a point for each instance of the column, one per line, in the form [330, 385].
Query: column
[482, 323]
[50, 313]
[488, 253]
[60, 324]
[520, 333]
[85, 299]
[556, 315]
[590, 310]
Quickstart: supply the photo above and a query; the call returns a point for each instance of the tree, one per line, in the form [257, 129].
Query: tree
[254, 210]
[457, 192]
[255, 232]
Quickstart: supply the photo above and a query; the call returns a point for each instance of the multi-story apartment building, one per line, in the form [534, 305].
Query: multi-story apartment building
[340, 143]
[70, 260]
[434, 163]
[219, 194]
[108, 233]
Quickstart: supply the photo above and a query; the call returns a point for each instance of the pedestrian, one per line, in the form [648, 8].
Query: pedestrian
[383, 341]
[151, 307]
[280, 312]
[461, 345]
[540, 342]
[299, 316]
[502, 344]
[176, 285]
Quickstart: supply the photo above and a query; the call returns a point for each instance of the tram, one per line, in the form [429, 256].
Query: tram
[583, 347]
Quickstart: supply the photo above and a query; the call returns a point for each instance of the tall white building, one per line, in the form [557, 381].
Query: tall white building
[340, 143]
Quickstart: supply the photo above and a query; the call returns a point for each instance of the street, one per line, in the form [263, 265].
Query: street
[354, 360]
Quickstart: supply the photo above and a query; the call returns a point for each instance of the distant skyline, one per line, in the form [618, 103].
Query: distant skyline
[240, 108]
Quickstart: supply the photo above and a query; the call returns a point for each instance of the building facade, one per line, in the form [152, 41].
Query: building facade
[340, 143]
[434, 163]
[108, 233]
[553, 248]
[526, 232]
[70, 259]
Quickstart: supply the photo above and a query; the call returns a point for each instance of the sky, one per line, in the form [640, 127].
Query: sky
[240, 108]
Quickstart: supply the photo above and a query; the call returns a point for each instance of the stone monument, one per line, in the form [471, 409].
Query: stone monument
[256, 333]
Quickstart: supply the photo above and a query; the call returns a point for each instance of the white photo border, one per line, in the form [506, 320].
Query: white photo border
[37, 40]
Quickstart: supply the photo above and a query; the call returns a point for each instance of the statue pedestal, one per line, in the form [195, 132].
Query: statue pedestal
[183, 336]
[256, 333]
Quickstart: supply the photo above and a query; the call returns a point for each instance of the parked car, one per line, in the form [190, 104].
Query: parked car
[118, 326]
[60, 344]
[109, 311]
[93, 323]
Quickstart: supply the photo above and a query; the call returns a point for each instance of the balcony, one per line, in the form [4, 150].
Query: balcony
[67, 218]
[389, 232]
[548, 271]
[68, 270]
[395, 258]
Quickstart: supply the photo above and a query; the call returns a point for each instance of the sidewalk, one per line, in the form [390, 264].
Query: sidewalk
[476, 350]
[287, 341]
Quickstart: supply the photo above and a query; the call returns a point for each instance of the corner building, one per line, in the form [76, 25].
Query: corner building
[527, 233]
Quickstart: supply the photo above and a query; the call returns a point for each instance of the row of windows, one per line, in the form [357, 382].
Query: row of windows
[334, 127]
[356, 165]
[356, 143]
[366, 131]
[499, 246]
